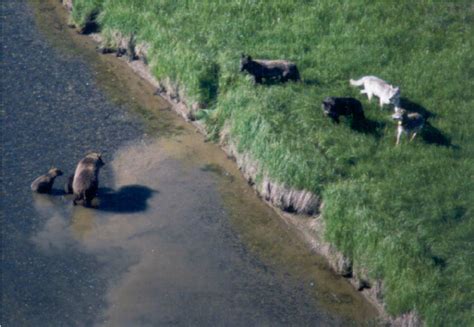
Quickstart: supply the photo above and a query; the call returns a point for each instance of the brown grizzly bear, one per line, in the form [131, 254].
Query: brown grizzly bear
[68, 184]
[85, 183]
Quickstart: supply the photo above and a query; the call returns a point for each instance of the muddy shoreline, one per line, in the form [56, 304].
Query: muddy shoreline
[299, 209]
[179, 236]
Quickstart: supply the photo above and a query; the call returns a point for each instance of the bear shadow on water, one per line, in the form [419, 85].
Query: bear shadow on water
[127, 199]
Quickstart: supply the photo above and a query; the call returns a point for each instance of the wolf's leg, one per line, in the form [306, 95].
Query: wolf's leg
[413, 136]
[399, 133]
[369, 95]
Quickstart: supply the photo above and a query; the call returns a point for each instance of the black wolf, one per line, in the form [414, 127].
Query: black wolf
[334, 107]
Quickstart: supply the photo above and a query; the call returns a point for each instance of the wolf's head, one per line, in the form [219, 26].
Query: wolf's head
[395, 96]
[327, 105]
[399, 114]
[244, 62]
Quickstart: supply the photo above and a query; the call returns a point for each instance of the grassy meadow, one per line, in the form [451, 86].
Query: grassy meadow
[404, 214]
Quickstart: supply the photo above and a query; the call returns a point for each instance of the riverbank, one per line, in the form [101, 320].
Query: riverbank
[145, 257]
[307, 220]
[307, 164]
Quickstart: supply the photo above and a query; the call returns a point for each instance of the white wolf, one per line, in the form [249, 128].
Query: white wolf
[386, 93]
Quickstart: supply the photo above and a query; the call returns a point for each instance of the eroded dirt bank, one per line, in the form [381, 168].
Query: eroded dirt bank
[306, 205]
[179, 237]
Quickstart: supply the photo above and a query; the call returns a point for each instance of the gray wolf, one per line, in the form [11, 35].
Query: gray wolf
[408, 123]
[281, 70]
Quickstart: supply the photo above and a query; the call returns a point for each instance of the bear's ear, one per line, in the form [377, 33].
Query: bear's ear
[242, 55]
[249, 58]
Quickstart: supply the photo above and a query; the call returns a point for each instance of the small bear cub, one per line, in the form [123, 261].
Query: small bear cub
[44, 183]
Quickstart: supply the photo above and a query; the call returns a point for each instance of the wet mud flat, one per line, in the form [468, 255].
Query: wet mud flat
[179, 237]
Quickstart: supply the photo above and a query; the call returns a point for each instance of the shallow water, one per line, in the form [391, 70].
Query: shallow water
[179, 237]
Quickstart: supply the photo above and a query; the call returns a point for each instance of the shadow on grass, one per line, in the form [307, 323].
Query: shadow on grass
[128, 199]
[429, 134]
[91, 25]
[274, 81]
[209, 84]
[310, 82]
[415, 107]
[368, 126]
[432, 135]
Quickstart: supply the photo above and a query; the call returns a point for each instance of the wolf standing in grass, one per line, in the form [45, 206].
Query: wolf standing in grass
[386, 93]
[334, 107]
[409, 123]
[282, 70]
[86, 178]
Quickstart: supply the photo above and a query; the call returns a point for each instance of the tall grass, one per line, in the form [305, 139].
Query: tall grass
[403, 213]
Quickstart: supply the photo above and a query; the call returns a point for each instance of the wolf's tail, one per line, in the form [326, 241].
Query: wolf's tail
[358, 82]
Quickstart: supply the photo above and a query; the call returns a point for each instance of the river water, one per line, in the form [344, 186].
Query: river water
[179, 237]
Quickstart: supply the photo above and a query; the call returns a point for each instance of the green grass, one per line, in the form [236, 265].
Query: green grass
[404, 213]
